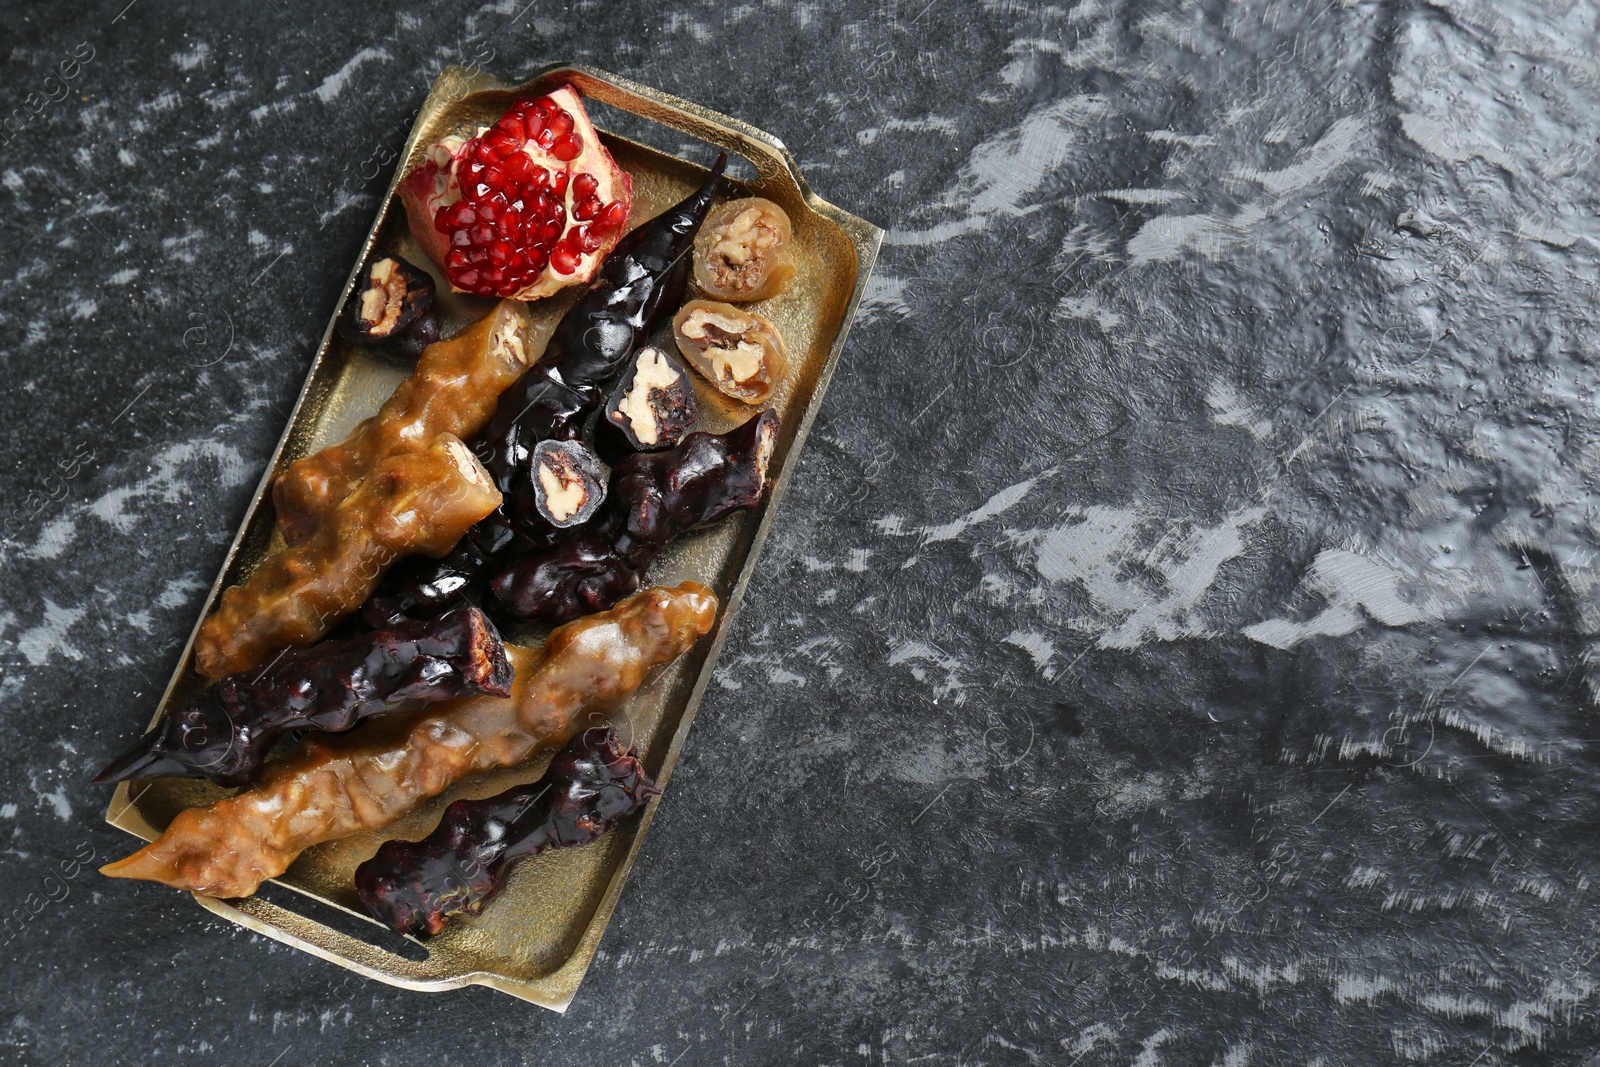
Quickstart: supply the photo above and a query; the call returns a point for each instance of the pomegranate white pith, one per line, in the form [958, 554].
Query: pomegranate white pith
[523, 208]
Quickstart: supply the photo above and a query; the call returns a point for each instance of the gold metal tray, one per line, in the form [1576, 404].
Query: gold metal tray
[536, 940]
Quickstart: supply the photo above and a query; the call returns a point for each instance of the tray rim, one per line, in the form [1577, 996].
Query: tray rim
[555, 989]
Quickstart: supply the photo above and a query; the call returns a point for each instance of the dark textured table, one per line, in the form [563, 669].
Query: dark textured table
[1175, 647]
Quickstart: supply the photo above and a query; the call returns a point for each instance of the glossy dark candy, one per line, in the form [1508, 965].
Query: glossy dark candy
[655, 497]
[420, 587]
[565, 484]
[414, 887]
[224, 734]
[650, 409]
[640, 284]
[392, 309]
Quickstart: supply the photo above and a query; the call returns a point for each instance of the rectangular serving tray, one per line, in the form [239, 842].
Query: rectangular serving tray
[536, 939]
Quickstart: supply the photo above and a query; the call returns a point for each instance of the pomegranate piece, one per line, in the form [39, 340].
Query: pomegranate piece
[523, 208]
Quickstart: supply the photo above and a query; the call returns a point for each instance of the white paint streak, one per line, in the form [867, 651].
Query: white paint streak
[1234, 410]
[167, 480]
[49, 638]
[998, 504]
[1004, 172]
[1350, 583]
[334, 83]
[1168, 237]
[1095, 552]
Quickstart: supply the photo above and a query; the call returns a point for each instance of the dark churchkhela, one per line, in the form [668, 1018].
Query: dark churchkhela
[639, 286]
[224, 733]
[654, 497]
[414, 887]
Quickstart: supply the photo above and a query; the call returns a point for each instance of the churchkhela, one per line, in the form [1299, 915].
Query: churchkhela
[414, 503]
[224, 734]
[744, 251]
[453, 389]
[391, 310]
[739, 352]
[565, 484]
[369, 778]
[415, 887]
[654, 497]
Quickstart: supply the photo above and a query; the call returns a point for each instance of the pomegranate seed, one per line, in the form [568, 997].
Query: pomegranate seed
[563, 260]
[615, 214]
[460, 239]
[587, 208]
[585, 185]
[567, 149]
[441, 220]
[587, 239]
[456, 259]
[509, 223]
[463, 215]
[482, 234]
[561, 122]
[488, 211]
[492, 278]
[558, 182]
[476, 255]
[518, 168]
[467, 279]
[500, 253]
[493, 176]
[511, 126]
[545, 138]
[539, 262]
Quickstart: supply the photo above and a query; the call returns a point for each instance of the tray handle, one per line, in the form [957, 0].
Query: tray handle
[774, 164]
[274, 921]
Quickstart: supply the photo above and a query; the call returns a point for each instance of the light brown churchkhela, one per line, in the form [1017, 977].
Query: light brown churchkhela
[367, 780]
[416, 503]
[452, 390]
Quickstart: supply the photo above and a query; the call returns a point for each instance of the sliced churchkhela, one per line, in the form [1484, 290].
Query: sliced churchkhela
[743, 251]
[654, 497]
[366, 780]
[565, 485]
[638, 286]
[415, 887]
[418, 502]
[738, 351]
[224, 734]
[650, 409]
[391, 310]
[453, 389]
